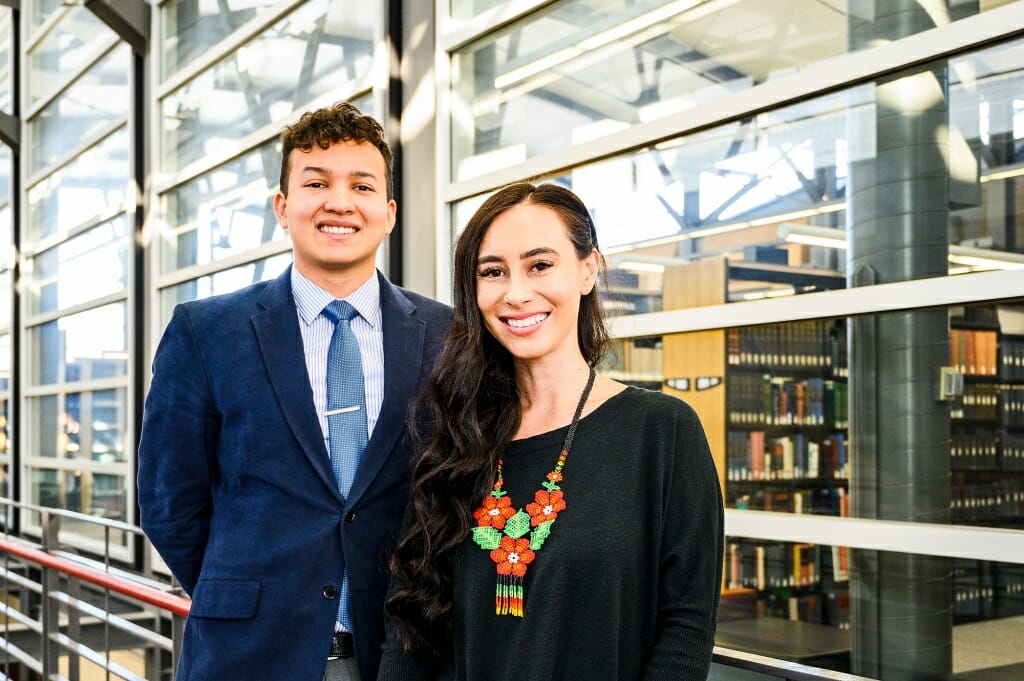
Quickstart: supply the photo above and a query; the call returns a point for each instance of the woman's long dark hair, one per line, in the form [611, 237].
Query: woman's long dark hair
[466, 416]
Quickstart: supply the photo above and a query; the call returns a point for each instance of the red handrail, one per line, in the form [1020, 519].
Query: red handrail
[140, 592]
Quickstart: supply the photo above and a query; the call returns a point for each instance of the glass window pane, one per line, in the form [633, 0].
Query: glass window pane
[5, 300]
[86, 425]
[577, 70]
[192, 28]
[6, 45]
[39, 11]
[66, 48]
[89, 266]
[791, 201]
[780, 403]
[322, 47]
[222, 282]
[95, 100]
[822, 605]
[223, 212]
[97, 494]
[81, 347]
[467, 9]
[5, 176]
[95, 185]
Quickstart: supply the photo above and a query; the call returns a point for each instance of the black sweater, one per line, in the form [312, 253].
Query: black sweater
[626, 585]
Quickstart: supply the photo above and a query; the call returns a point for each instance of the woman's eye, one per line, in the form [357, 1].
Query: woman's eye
[542, 265]
[490, 273]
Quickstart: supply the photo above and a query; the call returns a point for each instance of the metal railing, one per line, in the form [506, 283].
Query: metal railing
[65, 615]
[63, 612]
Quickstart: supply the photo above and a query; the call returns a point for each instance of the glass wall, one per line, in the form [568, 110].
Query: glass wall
[75, 239]
[231, 81]
[828, 274]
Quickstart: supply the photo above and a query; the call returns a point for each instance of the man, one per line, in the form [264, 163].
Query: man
[272, 479]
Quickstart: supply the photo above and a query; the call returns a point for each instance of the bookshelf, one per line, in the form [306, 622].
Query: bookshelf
[987, 456]
[773, 400]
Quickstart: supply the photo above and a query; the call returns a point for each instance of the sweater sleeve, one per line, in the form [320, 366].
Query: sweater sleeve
[691, 558]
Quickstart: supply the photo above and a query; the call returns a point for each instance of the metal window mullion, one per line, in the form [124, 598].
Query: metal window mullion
[44, 100]
[261, 252]
[454, 34]
[51, 389]
[929, 539]
[961, 289]
[95, 303]
[239, 37]
[115, 621]
[55, 464]
[811, 81]
[32, 41]
[49, 242]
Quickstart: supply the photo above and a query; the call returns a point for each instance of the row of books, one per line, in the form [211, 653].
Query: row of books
[751, 455]
[974, 351]
[773, 565]
[767, 400]
[999, 502]
[986, 590]
[829, 606]
[811, 344]
[816, 501]
[1001, 403]
[987, 452]
[1011, 359]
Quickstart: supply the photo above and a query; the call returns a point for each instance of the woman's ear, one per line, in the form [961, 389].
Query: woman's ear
[590, 266]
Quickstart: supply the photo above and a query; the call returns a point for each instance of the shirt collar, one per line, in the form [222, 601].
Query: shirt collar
[310, 299]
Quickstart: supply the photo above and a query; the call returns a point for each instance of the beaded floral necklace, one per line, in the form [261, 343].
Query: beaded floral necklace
[501, 529]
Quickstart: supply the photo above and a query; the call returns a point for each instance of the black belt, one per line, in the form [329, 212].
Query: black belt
[341, 645]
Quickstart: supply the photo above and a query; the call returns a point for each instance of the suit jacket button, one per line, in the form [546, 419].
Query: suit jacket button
[330, 592]
[350, 516]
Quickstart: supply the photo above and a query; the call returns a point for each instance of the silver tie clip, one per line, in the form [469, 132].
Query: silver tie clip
[343, 410]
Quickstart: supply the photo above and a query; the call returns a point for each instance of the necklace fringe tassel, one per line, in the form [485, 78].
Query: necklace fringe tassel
[509, 597]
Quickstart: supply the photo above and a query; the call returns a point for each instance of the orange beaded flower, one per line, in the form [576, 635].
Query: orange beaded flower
[513, 556]
[494, 512]
[546, 506]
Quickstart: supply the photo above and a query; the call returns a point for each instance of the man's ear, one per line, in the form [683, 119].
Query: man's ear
[280, 209]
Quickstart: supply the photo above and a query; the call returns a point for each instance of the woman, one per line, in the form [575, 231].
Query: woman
[562, 525]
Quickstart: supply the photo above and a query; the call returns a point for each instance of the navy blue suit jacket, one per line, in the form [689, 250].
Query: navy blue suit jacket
[236, 490]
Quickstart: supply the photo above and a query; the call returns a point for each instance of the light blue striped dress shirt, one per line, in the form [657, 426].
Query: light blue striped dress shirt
[310, 300]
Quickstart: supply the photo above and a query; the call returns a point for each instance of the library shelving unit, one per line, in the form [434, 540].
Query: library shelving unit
[773, 403]
[987, 457]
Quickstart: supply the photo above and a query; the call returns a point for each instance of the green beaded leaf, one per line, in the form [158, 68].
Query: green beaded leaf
[517, 525]
[487, 538]
[550, 485]
[541, 533]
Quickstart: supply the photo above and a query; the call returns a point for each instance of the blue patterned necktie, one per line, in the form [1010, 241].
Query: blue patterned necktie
[346, 415]
[346, 398]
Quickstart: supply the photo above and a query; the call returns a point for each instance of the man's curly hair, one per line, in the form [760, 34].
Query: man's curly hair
[342, 122]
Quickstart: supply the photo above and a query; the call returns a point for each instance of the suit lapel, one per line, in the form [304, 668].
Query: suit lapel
[280, 341]
[403, 352]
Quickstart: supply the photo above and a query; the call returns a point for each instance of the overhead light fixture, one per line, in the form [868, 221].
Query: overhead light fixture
[1003, 173]
[985, 258]
[726, 227]
[634, 266]
[619, 30]
[969, 256]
